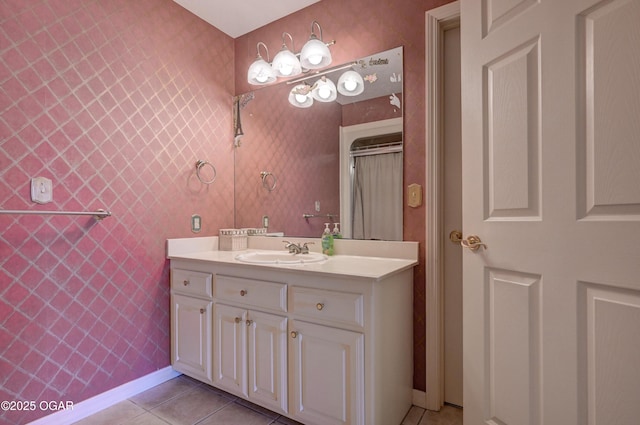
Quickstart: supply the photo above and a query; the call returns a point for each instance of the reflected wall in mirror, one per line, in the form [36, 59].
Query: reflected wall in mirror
[293, 162]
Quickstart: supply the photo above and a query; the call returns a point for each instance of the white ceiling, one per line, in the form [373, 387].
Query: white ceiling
[238, 17]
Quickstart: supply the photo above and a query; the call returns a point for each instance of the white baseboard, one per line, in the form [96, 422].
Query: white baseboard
[108, 398]
[419, 398]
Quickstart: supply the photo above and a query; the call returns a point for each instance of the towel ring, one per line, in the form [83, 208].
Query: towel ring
[199, 166]
[269, 185]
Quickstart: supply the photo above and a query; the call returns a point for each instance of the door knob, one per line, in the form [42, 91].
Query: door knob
[473, 243]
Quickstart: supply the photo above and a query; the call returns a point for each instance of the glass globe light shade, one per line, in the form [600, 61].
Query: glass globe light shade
[260, 72]
[350, 84]
[315, 54]
[286, 64]
[324, 90]
[300, 97]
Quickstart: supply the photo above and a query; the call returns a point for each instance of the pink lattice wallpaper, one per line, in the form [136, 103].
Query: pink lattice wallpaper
[114, 101]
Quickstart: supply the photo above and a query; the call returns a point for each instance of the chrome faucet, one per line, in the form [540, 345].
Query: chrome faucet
[296, 248]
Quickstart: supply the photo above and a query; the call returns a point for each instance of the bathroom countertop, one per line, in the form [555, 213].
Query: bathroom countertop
[362, 266]
[345, 265]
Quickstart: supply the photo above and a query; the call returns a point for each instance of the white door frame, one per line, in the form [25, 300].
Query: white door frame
[437, 22]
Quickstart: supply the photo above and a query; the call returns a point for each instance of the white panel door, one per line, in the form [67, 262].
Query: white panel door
[191, 336]
[327, 375]
[230, 349]
[551, 185]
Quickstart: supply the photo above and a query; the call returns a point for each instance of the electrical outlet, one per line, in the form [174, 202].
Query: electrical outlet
[265, 221]
[196, 223]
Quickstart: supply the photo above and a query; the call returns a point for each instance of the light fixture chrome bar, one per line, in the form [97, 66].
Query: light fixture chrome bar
[312, 74]
[99, 214]
[329, 216]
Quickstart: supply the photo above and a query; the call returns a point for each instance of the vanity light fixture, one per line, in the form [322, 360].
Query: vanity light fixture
[324, 90]
[286, 63]
[350, 84]
[260, 72]
[315, 54]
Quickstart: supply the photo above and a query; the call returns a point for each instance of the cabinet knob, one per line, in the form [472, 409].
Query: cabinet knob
[243, 293]
[249, 322]
[202, 310]
[294, 334]
[185, 282]
[237, 320]
[320, 306]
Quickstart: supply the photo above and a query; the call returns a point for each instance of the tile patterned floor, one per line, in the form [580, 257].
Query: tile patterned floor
[184, 401]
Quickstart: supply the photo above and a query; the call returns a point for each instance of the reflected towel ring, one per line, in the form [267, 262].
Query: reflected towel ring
[269, 185]
[199, 166]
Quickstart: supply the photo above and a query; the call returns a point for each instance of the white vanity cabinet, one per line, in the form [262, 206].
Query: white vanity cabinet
[191, 323]
[323, 344]
[327, 370]
[250, 342]
[327, 358]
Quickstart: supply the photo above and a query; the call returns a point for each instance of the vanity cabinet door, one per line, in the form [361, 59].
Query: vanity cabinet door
[230, 349]
[327, 374]
[267, 345]
[250, 355]
[191, 336]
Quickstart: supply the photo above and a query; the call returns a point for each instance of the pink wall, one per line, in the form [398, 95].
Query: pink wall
[114, 101]
[362, 27]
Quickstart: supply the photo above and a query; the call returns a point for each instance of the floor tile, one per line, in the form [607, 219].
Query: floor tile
[183, 401]
[115, 414]
[286, 421]
[191, 406]
[413, 416]
[145, 419]
[157, 395]
[448, 415]
[257, 408]
[235, 414]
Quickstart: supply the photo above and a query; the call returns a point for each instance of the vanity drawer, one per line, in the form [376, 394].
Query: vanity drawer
[251, 293]
[331, 306]
[191, 283]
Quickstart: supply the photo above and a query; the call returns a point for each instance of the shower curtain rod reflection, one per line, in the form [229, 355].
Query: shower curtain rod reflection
[99, 214]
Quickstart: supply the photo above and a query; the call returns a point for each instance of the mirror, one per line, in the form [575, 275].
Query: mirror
[298, 168]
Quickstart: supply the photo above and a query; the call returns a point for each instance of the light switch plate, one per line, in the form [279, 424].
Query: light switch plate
[41, 190]
[414, 195]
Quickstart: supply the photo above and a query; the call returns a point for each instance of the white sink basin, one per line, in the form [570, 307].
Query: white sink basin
[280, 257]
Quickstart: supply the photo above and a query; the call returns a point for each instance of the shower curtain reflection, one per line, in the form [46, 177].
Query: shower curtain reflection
[377, 197]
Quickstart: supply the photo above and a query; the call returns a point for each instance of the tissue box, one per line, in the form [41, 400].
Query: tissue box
[232, 240]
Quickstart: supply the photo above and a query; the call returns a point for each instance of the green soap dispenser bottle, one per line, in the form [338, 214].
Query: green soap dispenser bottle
[327, 240]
